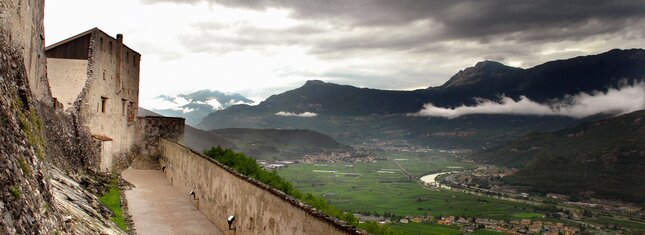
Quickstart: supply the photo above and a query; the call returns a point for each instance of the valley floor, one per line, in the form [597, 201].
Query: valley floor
[391, 191]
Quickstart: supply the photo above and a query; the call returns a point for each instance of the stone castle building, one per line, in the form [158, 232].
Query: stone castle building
[97, 77]
[94, 78]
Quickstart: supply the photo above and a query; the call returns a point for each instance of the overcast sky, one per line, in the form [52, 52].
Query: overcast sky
[263, 47]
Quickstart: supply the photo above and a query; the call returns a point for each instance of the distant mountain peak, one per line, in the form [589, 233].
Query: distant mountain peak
[489, 64]
[481, 72]
[314, 83]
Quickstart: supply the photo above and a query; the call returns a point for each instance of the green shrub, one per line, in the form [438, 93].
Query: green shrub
[15, 191]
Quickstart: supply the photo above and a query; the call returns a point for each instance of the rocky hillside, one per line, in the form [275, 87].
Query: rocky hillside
[604, 158]
[36, 197]
[25, 192]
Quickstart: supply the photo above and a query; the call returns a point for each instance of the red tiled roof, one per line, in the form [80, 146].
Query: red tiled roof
[101, 137]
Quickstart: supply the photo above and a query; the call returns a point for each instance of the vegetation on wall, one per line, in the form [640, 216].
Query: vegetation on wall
[249, 167]
[112, 200]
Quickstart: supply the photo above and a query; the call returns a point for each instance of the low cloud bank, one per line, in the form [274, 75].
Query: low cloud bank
[291, 114]
[615, 101]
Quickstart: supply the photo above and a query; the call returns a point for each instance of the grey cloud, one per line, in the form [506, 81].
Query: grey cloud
[434, 38]
[537, 20]
[221, 38]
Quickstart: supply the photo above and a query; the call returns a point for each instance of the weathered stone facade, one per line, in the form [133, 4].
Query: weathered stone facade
[153, 128]
[34, 138]
[28, 36]
[24, 191]
[97, 77]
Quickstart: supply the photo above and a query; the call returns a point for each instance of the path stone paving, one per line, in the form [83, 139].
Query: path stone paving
[159, 208]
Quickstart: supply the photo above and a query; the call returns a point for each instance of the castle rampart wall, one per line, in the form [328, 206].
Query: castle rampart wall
[259, 209]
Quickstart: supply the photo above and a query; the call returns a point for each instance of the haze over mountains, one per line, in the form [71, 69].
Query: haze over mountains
[196, 105]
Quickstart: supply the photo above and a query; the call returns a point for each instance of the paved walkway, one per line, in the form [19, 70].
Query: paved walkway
[158, 208]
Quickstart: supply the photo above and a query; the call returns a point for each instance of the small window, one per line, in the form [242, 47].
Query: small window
[127, 57]
[123, 102]
[110, 47]
[101, 43]
[103, 104]
[134, 60]
[103, 74]
[131, 111]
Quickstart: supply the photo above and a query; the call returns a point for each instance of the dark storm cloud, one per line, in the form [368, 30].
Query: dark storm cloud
[518, 20]
[414, 43]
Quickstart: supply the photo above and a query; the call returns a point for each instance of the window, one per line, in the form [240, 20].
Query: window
[134, 60]
[123, 102]
[127, 57]
[103, 74]
[110, 47]
[131, 111]
[103, 104]
[101, 43]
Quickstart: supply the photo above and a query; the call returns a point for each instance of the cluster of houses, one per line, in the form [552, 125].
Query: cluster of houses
[341, 157]
[524, 226]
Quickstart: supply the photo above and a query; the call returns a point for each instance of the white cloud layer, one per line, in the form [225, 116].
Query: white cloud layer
[615, 101]
[161, 103]
[291, 114]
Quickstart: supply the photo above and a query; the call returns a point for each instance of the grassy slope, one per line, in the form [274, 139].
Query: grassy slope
[606, 157]
[274, 144]
[113, 201]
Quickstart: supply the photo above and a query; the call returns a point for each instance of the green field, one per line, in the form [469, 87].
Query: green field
[605, 220]
[420, 164]
[380, 187]
[528, 215]
[487, 232]
[427, 229]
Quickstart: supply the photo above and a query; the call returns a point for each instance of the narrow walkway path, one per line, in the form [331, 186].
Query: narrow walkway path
[158, 208]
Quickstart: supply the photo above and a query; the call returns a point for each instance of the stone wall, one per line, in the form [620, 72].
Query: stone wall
[258, 209]
[24, 191]
[34, 137]
[96, 78]
[151, 129]
[67, 78]
[23, 22]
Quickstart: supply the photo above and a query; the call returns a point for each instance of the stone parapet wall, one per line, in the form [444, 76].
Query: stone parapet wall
[151, 129]
[259, 209]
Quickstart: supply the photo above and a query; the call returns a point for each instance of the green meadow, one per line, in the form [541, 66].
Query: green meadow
[381, 187]
[428, 229]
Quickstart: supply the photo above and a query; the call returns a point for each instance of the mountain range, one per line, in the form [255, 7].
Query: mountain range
[358, 115]
[485, 80]
[195, 106]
